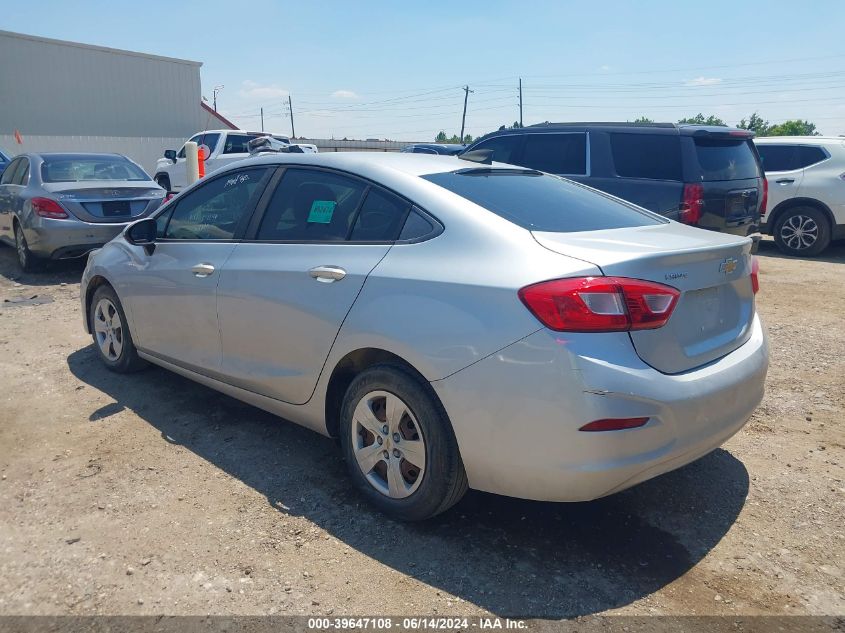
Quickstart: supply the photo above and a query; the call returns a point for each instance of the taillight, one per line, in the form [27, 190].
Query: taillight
[168, 197]
[765, 197]
[755, 271]
[600, 304]
[692, 203]
[47, 208]
[614, 424]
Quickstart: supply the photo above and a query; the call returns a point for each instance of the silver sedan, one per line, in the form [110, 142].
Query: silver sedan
[62, 206]
[454, 323]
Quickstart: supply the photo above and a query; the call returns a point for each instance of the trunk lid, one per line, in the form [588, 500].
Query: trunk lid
[716, 307]
[100, 203]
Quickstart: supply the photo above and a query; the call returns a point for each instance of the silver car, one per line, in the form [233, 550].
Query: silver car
[453, 323]
[62, 206]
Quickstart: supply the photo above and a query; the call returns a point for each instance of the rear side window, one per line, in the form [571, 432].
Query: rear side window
[504, 147]
[777, 157]
[237, 144]
[806, 156]
[312, 205]
[380, 217]
[556, 153]
[726, 159]
[650, 156]
[540, 202]
[416, 227]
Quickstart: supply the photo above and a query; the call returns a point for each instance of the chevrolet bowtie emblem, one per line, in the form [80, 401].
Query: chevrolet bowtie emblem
[727, 266]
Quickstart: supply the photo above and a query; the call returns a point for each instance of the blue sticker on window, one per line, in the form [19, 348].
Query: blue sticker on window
[321, 211]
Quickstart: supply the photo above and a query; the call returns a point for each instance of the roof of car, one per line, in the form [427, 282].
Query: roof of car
[227, 131]
[800, 140]
[408, 163]
[619, 126]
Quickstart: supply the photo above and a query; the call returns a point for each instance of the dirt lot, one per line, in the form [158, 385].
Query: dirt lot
[151, 494]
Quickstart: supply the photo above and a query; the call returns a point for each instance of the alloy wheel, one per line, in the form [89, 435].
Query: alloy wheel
[388, 444]
[799, 232]
[108, 329]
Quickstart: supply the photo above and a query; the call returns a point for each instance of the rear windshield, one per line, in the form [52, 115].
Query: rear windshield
[541, 202]
[726, 159]
[57, 169]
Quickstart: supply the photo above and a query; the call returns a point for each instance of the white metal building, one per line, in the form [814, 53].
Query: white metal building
[65, 96]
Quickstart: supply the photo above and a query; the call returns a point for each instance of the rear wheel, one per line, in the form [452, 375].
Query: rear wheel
[802, 231]
[399, 445]
[163, 182]
[26, 260]
[111, 333]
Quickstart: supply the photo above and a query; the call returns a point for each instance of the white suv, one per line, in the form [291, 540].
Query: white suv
[222, 147]
[806, 176]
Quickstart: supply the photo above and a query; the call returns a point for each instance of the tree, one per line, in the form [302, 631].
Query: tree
[756, 124]
[643, 119]
[441, 137]
[700, 119]
[468, 138]
[793, 127]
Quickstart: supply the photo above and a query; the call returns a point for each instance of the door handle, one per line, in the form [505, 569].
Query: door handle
[327, 274]
[202, 270]
[785, 181]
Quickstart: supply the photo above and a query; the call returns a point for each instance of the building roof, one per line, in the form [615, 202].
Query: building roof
[105, 49]
[219, 116]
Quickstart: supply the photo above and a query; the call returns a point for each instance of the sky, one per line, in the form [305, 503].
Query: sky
[397, 70]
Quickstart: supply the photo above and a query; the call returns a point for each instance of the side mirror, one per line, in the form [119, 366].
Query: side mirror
[170, 154]
[142, 233]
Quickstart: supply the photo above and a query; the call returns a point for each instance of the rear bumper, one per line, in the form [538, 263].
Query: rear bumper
[65, 239]
[516, 414]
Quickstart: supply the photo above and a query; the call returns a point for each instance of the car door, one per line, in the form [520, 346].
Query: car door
[285, 292]
[782, 169]
[8, 191]
[171, 289]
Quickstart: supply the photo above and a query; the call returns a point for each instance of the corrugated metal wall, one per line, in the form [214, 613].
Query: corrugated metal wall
[66, 96]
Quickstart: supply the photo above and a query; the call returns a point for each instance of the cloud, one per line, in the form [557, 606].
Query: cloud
[703, 81]
[344, 94]
[604, 67]
[254, 91]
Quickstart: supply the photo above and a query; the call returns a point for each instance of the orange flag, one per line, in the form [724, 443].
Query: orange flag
[18, 137]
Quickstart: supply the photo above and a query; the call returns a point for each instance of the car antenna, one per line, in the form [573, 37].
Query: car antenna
[483, 156]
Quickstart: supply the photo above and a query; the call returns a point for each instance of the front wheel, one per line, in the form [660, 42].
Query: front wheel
[399, 445]
[802, 231]
[111, 333]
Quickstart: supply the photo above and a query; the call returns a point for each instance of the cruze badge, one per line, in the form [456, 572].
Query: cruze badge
[727, 266]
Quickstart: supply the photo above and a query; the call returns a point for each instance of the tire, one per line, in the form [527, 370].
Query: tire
[163, 182]
[111, 335]
[397, 483]
[27, 262]
[802, 232]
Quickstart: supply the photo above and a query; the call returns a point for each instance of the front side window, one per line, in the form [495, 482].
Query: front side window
[209, 140]
[504, 148]
[541, 202]
[217, 209]
[556, 153]
[649, 156]
[312, 205]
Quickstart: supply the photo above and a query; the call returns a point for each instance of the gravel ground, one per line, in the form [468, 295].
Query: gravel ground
[151, 494]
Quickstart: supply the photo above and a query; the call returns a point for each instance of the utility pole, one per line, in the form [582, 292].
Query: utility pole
[520, 102]
[464, 118]
[216, 90]
[262, 119]
[290, 107]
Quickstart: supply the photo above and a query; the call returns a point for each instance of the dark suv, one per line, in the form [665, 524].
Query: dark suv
[703, 175]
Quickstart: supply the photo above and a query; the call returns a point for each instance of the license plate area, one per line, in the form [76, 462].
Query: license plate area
[116, 208]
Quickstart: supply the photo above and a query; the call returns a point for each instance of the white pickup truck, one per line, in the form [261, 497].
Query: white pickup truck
[221, 148]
